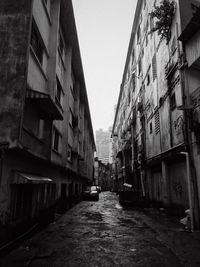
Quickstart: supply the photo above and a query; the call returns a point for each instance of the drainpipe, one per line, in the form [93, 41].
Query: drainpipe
[142, 182]
[189, 189]
[132, 149]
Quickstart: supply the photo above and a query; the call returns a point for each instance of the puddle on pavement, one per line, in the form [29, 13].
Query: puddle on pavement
[94, 216]
[127, 222]
[118, 206]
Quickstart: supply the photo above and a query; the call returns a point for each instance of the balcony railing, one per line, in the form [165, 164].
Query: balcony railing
[33, 144]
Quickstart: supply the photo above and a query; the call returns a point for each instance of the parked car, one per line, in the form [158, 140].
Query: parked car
[99, 188]
[91, 193]
[127, 195]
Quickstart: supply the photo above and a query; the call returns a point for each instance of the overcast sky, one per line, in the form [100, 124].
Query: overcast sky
[104, 28]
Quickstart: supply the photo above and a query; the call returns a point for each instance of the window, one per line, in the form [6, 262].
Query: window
[148, 78]
[56, 139]
[41, 129]
[157, 122]
[139, 66]
[133, 55]
[151, 23]
[69, 153]
[72, 90]
[74, 121]
[61, 44]
[147, 33]
[146, 39]
[172, 101]
[129, 98]
[70, 117]
[36, 43]
[141, 18]
[133, 81]
[58, 95]
[173, 46]
[150, 128]
[138, 35]
[154, 67]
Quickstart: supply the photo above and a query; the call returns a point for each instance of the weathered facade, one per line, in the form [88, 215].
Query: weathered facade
[153, 145]
[46, 136]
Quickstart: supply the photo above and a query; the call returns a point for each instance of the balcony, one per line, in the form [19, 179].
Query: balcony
[45, 104]
[32, 143]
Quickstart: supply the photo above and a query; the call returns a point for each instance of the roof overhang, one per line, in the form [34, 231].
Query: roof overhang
[24, 178]
[48, 108]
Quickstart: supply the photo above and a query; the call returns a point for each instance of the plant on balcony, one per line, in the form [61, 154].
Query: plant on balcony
[164, 14]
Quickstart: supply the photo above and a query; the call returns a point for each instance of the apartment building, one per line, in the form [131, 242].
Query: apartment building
[46, 137]
[154, 147]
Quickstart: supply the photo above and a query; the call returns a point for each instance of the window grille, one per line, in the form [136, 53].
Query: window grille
[154, 67]
[157, 122]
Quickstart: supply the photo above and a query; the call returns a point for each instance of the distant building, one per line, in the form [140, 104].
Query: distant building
[102, 145]
[102, 175]
[96, 171]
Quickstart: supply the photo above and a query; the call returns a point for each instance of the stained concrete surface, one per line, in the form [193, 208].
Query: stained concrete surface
[102, 233]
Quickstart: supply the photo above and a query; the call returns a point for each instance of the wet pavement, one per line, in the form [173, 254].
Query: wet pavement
[95, 234]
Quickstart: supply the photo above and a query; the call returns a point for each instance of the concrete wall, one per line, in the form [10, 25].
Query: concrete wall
[15, 20]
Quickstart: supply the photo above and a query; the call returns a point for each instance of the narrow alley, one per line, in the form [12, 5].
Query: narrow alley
[104, 233]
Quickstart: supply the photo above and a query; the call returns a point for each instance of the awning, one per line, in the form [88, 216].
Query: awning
[45, 104]
[24, 178]
[128, 185]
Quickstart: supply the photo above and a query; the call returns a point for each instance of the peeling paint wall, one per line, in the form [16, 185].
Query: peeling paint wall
[15, 17]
